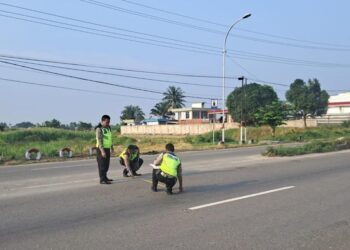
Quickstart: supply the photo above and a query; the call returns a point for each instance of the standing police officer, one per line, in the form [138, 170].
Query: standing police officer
[104, 146]
[169, 171]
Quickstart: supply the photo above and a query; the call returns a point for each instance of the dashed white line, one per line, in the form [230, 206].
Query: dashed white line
[48, 168]
[241, 198]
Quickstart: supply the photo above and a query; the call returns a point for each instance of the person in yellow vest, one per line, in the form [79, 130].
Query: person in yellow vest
[167, 169]
[130, 159]
[104, 147]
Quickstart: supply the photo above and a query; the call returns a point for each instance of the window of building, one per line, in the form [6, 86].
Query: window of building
[187, 115]
[196, 114]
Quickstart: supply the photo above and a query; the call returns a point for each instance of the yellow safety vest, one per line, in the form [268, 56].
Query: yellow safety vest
[107, 138]
[133, 156]
[170, 164]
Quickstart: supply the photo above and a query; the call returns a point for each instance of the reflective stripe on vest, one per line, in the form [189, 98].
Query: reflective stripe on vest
[107, 138]
[132, 157]
[170, 164]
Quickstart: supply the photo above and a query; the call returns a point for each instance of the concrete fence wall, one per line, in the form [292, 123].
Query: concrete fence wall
[300, 123]
[196, 129]
[185, 129]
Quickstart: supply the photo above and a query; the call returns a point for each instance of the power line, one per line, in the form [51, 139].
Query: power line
[116, 68]
[133, 70]
[113, 74]
[74, 89]
[227, 26]
[104, 25]
[254, 78]
[110, 36]
[135, 77]
[257, 80]
[98, 81]
[244, 55]
[209, 50]
[126, 76]
[175, 14]
[187, 25]
[115, 33]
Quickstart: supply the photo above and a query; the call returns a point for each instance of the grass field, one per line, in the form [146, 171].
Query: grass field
[14, 143]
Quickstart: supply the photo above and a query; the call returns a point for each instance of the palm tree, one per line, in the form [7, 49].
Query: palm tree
[133, 113]
[174, 97]
[160, 109]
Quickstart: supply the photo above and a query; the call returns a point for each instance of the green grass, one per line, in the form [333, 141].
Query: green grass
[309, 148]
[14, 143]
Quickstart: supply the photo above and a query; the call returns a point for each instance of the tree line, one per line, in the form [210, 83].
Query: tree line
[252, 104]
[257, 105]
[54, 123]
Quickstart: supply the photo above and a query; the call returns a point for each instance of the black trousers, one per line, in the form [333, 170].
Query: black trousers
[169, 182]
[103, 163]
[134, 164]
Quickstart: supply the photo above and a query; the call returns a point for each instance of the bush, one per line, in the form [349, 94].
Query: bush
[208, 137]
[309, 148]
[346, 124]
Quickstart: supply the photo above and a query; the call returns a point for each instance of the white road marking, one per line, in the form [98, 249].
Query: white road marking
[241, 198]
[48, 168]
[60, 183]
[72, 182]
[148, 181]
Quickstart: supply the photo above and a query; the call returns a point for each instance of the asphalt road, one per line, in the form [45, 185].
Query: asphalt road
[233, 199]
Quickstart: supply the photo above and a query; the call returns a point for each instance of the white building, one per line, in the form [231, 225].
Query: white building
[338, 110]
[197, 113]
[339, 104]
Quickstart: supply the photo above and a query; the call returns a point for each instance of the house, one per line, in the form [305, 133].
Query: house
[339, 104]
[338, 110]
[195, 114]
[154, 121]
[215, 115]
[129, 122]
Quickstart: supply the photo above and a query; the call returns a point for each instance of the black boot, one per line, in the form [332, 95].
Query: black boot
[125, 172]
[105, 181]
[136, 174]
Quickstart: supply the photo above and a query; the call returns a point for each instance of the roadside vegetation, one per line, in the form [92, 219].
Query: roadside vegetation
[309, 148]
[15, 142]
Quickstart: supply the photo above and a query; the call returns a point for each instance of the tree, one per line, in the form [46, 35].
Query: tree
[52, 124]
[244, 101]
[73, 125]
[161, 109]
[84, 126]
[24, 125]
[174, 97]
[307, 99]
[133, 113]
[273, 114]
[3, 126]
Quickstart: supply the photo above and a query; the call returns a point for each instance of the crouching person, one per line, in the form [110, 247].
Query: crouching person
[130, 159]
[169, 170]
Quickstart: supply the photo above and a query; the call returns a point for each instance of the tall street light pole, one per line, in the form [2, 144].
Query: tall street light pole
[242, 78]
[223, 75]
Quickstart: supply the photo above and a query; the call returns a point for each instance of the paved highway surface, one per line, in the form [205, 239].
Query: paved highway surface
[232, 199]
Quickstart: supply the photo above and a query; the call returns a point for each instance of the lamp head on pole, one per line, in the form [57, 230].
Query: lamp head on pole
[246, 16]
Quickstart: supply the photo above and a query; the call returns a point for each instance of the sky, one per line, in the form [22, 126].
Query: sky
[280, 42]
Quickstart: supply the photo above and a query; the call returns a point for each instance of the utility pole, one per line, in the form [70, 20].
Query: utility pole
[242, 78]
[244, 105]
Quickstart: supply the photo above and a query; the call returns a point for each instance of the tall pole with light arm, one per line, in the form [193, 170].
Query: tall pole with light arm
[223, 74]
